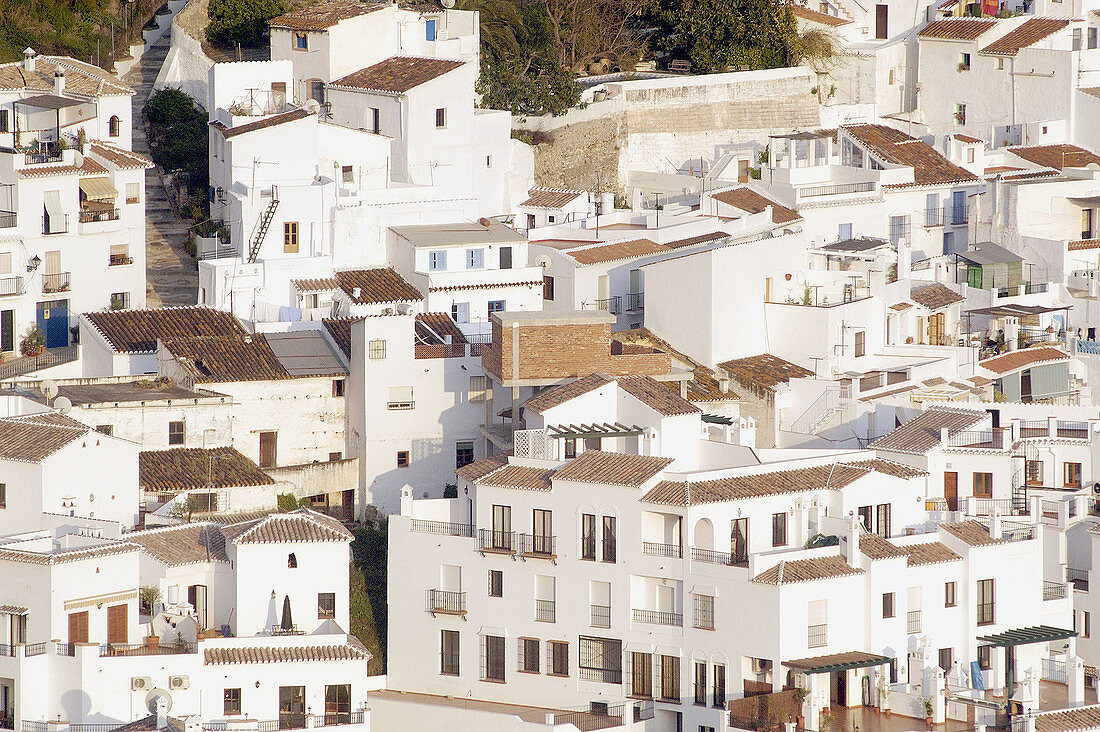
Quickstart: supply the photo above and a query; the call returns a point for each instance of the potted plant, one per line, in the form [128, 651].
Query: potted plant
[929, 710]
[825, 721]
[884, 696]
[33, 343]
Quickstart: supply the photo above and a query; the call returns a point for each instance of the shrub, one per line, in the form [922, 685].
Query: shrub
[33, 343]
[241, 21]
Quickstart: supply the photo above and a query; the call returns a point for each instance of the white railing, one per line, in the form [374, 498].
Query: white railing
[535, 445]
[825, 406]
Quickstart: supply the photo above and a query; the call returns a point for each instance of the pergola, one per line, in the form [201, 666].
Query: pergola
[1009, 639]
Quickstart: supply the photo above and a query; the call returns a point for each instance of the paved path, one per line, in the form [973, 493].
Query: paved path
[170, 272]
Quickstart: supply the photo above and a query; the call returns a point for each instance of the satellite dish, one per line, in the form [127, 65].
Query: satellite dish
[542, 260]
[49, 388]
[447, 3]
[1096, 488]
[156, 695]
[312, 106]
[63, 405]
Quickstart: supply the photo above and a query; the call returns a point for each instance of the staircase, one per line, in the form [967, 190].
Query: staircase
[262, 226]
[818, 415]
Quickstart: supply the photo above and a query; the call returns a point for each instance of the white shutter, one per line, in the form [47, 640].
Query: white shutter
[914, 598]
[817, 612]
[401, 397]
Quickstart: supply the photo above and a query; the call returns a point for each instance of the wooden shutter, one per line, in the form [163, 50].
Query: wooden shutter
[78, 627]
[116, 624]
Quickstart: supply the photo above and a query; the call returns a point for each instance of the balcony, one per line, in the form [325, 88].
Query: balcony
[501, 542]
[90, 214]
[11, 286]
[445, 603]
[599, 616]
[8, 219]
[912, 622]
[57, 282]
[834, 190]
[445, 528]
[46, 153]
[118, 260]
[537, 546]
[635, 301]
[817, 636]
[712, 557]
[946, 216]
[613, 305]
[978, 440]
[545, 611]
[1079, 578]
[1054, 590]
[140, 649]
[657, 617]
[302, 721]
[661, 550]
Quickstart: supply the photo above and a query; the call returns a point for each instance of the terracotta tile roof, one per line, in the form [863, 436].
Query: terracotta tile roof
[877, 547]
[749, 201]
[32, 441]
[441, 325]
[220, 359]
[958, 29]
[704, 386]
[300, 526]
[934, 381]
[80, 78]
[282, 654]
[612, 468]
[922, 433]
[764, 371]
[481, 468]
[1055, 156]
[556, 395]
[122, 159]
[340, 330]
[615, 251]
[1024, 357]
[486, 286]
[517, 476]
[898, 148]
[379, 285]
[52, 418]
[934, 552]
[1033, 175]
[900, 306]
[739, 487]
[261, 124]
[540, 197]
[1080, 244]
[995, 169]
[13, 554]
[44, 170]
[12, 610]
[801, 11]
[656, 396]
[1030, 32]
[90, 166]
[176, 546]
[889, 467]
[935, 296]
[1069, 720]
[971, 532]
[137, 331]
[700, 239]
[892, 392]
[397, 74]
[806, 570]
[323, 15]
[182, 469]
[980, 380]
[967, 138]
[316, 284]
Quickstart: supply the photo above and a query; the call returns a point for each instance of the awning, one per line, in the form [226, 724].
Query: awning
[999, 311]
[837, 662]
[52, 200]
[1085, 201]
[717, 419]
[1025, 636]
[605, 429]
[49, 101]
[988, 253]
[98, 189]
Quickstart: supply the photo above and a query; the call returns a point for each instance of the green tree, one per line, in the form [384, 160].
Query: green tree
[814, 47]
[241, 21]
[718, 34]
[367, 601]
[180, 135]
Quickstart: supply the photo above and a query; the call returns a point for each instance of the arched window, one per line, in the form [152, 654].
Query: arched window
[112, 126]
[292, 561]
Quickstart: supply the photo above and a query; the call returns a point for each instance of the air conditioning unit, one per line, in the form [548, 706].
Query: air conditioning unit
[179, 682]
[141, 683]
[758, 666]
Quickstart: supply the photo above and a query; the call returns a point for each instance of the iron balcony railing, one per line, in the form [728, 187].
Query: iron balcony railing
[35, 649]
[595, 716]
[30, 364]
[447, 603]
[635, 301]
[11, 286]
[948, 215]
[45, 154]
[1004, 506]
[1079, 578]
[817, 635]
[490, 540]
[288, 721]
[840, 188]
[537, 545]
[599, 616]
[613, 305]
[662, 550]
[1016, 531]
[545, 611]
[1054, 590]
[1054, 670]
[139, 649]
[445, 528]
[92, 215]
[120, 259]
[57, 282]
[912, 622]
[978, 439]
[65, 649]
[657, 617]
[8, 219]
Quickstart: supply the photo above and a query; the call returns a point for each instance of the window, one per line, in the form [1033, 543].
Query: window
[337, 704]
[488, 161]
[290, 237]
[1033, 472]
[888, 604]
[375, 120]
[529, 655]
[231, 701]
[1086, 624]
[865, 516]
[4, 121]
[175, 433]
[600, 659]
[817, 622]
[985, 657]
[133, 193]
[334, 456]
[492, 648]
[120, 254]
[844, 232]
[496, 306]
[542, 531]
[670, 678]
[317, 90]
[946, 657]
[570, 448]
[969, 154]
[882, 520]
[548, 288]
[441, 117]
[609, 538]
[641, 674]
[861, 343]
[701, 683]
[960, 114]
[1071, 475]
[1000, 64]
[464, 453]
[113, 125]
[338, 387]
[882, 24]
[376, 349]
[107, 429]
[448, 652]
[401, 397]
[347, 174]
[402, 458]
[326, 605]
[120, 300]
[986, 602]
[983, 485]
[437, 261]
[704, 611]
[460, 312]
[588, 536]
[301, 42]
[1092, 33]
[1076, 40]
[291, 561]
[479, 388]
[475, 258]
[558, 662]
[496, 583]
[893, 670]
[949, 598]
[964, 62]
[719, 691]
[779, 529]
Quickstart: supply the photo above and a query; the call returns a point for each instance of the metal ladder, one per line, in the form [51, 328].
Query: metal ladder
[261, 227]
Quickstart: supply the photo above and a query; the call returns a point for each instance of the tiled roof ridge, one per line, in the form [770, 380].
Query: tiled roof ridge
[67, 555]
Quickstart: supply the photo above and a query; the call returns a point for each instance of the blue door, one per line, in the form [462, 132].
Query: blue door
[430, 30]
[53, 321]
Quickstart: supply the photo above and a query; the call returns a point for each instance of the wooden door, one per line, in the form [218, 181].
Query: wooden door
[882, 14]
[292, 707]
[116, 625]
[78, 627]
[739, 540]
[936, 330]
[951, 490]
[268, 442]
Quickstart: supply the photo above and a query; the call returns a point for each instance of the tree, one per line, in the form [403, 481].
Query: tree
[179, 135]
[241, 21]
[718, 34]
[583, 31]
[814, 47]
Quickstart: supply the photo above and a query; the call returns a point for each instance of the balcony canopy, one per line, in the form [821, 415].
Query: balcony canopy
[49, 101]
[98, 189]
[1025, 636]
[605, 429]
[1000, 311]
[836, 662]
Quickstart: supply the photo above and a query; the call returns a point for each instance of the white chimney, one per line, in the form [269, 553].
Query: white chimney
[853, 541]
[162, 712]
[28, 58]
[59, 82]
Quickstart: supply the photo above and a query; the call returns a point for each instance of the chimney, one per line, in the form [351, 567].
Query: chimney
[356, 293]
[853, 541]
[162, 712]
[943, 435]
[59, 82]
[28, 58]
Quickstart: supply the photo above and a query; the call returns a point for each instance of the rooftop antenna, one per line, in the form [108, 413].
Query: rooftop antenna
[49, 389]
